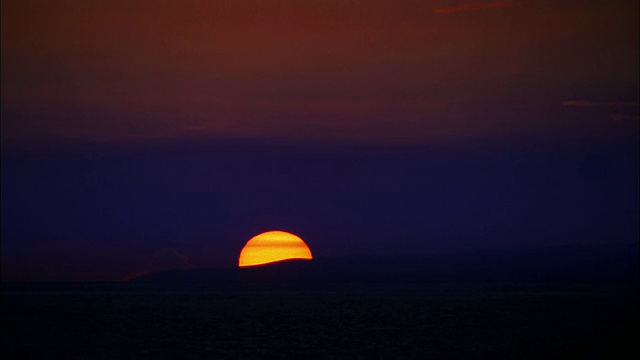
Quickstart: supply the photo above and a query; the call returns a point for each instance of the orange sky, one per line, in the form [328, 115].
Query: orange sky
[347, 70]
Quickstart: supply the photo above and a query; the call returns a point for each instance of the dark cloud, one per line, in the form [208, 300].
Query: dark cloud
[596, 103]
[624, 117]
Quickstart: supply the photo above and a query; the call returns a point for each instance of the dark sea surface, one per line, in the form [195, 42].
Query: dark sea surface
[350, 321]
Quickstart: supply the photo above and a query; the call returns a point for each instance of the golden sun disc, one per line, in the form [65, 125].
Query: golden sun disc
[273, 246]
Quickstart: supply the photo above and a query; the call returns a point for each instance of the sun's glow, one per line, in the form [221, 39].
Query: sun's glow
[272, 246]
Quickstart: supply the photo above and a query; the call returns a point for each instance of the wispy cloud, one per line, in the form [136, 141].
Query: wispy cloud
[624, 117]
[618, 110]
[472, 7]
[592, 103]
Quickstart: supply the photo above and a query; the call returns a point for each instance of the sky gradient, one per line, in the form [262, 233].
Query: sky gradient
[142, 135]
[398, 71]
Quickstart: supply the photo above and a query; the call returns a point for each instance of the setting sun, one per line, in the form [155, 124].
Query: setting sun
[273, 246]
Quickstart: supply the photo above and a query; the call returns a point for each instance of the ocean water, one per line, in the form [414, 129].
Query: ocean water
[437, 321]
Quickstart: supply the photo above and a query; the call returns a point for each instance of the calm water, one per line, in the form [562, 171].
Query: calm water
[127, 321]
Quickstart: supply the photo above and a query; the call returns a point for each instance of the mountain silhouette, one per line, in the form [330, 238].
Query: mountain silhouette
[613, 264]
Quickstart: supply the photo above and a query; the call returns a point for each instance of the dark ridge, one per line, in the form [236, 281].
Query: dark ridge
[603, 264]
